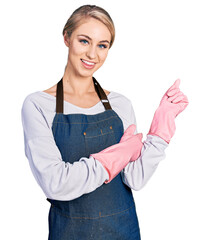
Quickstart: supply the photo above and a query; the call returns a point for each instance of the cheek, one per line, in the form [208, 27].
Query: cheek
[76, 49]
[103, 56]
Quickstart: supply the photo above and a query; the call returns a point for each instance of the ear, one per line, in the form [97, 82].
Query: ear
[66, 39]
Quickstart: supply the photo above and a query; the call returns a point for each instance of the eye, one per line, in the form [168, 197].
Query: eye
[83, 40]
[103, 46]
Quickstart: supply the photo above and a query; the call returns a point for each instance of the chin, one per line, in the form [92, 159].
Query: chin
[87, 73]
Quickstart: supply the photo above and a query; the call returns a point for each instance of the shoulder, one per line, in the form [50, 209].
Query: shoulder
[37, 115]
[123, 107]
[51, 90]
[41, 97]
[30, 110]
[106, 91]
[31, 99]
[38, 101]
[121, 104]
[119, 98]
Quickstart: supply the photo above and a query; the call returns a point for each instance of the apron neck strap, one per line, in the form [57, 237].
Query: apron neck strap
[98, 88]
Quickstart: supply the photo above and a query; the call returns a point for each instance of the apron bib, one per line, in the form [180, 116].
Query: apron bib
[109, 212]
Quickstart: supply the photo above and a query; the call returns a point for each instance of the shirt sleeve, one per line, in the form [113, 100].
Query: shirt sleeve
[136, 174]
[59, 180]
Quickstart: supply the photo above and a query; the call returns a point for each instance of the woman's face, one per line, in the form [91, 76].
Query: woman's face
[89, 42]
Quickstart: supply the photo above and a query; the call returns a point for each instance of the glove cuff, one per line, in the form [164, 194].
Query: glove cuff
[163, 125]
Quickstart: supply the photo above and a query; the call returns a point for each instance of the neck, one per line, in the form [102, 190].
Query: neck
[77, 84]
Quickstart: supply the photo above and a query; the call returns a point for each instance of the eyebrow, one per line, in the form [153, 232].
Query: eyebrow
[91, 39]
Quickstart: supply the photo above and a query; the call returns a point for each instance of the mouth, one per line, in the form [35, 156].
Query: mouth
[87, 64]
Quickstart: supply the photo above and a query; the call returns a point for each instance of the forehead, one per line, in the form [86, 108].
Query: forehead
[94, 29]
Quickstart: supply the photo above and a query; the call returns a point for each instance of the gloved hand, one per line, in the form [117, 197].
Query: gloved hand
[117, 156]
[128, 132]
[172, 103]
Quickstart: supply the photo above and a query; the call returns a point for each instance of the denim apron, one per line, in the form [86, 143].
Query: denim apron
[109, 212]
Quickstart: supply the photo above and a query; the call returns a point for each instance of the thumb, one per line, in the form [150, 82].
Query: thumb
[140, 136]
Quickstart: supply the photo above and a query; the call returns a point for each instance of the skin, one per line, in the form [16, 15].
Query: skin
[77, 80]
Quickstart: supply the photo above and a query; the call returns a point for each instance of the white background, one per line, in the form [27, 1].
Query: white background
[156, 43]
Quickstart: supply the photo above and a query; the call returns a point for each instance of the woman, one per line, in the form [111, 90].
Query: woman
[81, 140]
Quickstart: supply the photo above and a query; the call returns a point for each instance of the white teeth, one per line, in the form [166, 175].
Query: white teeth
[88, 62]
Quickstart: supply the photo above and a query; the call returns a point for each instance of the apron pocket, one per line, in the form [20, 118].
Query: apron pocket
[99, 138]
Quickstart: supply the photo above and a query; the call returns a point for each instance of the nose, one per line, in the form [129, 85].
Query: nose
[91, 52]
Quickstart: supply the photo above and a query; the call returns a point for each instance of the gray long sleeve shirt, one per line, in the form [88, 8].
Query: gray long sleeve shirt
[65, 181]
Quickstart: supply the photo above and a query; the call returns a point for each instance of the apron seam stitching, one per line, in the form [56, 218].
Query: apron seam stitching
[100, 134]
[64, 215]
[90, 122]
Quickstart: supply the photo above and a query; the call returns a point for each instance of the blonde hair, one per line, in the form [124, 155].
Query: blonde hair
[87, 11]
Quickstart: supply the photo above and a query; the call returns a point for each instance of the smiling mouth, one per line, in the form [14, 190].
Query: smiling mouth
[87, 62]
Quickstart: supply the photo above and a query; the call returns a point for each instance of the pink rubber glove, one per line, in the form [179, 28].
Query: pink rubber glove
[117, 156]
[130, 132]
[172, 103]
[127, 134]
